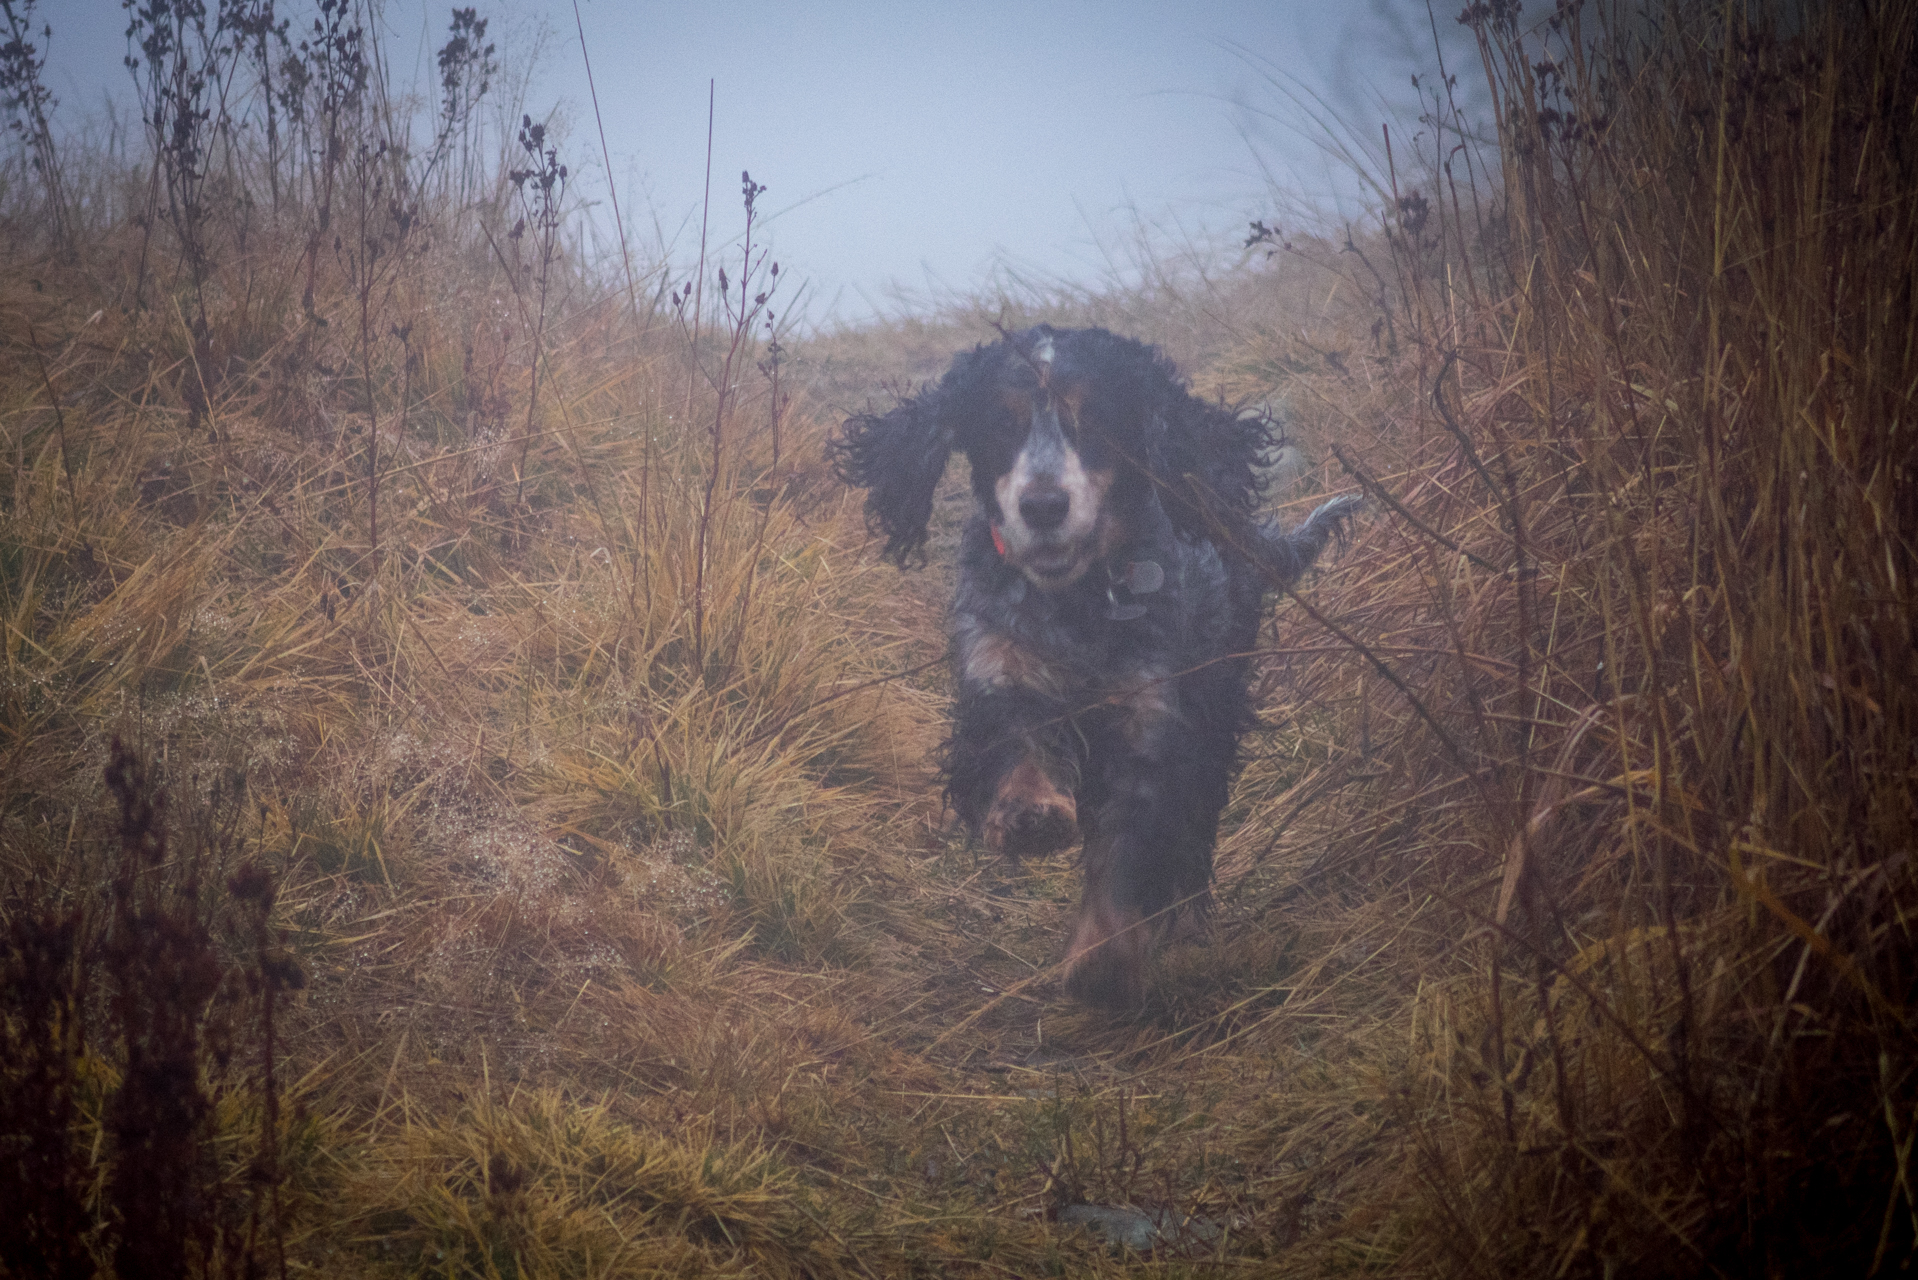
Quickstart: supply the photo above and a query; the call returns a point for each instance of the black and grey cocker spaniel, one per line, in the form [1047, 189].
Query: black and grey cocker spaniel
[1109, 591]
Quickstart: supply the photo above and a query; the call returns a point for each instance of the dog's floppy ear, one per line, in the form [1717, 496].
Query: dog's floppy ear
[1206, 460]
[897, 458]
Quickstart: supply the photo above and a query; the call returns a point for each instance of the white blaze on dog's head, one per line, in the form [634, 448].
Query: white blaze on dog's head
[1053, 518]
[1041, 357]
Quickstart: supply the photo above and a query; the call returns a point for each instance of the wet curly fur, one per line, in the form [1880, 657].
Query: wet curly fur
[1110, 584]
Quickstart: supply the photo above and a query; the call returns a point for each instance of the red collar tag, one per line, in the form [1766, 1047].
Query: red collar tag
[998, 543]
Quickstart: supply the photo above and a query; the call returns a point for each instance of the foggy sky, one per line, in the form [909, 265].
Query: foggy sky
[913, 146]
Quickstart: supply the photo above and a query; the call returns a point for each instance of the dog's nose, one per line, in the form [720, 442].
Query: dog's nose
[1045, 510]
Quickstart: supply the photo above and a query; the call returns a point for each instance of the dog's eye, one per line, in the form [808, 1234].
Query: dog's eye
[995, 446]
[1087, 437]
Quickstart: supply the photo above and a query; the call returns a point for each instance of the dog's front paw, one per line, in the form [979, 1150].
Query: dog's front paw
[1030, 832]
[1105, 965]
[1030, 815]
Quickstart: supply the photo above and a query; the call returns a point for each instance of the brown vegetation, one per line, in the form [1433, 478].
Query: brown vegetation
[465, 803]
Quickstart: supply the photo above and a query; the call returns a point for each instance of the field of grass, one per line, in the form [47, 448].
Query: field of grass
[466, 789]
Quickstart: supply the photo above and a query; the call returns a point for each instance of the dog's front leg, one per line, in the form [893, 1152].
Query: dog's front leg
[1148, 845]
[1010, 772]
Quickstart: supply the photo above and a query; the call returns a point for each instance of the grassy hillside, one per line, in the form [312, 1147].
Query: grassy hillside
[466, 802]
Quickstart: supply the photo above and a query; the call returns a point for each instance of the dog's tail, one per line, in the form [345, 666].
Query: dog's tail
[1285, 557]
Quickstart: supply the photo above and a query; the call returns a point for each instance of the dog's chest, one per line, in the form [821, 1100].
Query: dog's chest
[1068, 650]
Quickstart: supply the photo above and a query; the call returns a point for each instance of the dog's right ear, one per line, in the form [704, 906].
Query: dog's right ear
[897, 458]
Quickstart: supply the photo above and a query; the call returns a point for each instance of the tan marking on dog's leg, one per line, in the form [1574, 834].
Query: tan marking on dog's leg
[1030, 814]
[1105, 965]
[1150, 702]
[1000, 662]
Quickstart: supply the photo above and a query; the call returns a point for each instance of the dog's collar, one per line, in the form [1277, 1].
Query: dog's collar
[1126, 580]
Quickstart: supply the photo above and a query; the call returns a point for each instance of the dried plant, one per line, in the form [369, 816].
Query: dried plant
[28, 102]
[569, 895]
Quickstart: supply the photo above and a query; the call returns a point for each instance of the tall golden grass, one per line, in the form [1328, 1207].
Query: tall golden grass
[519, 739]
[1637, 687]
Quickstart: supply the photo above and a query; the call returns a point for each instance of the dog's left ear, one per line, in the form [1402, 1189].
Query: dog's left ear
[1205, 462]
[897, 458]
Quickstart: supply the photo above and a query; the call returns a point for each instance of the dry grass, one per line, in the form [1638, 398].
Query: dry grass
[1635, 722]
[554, 781]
